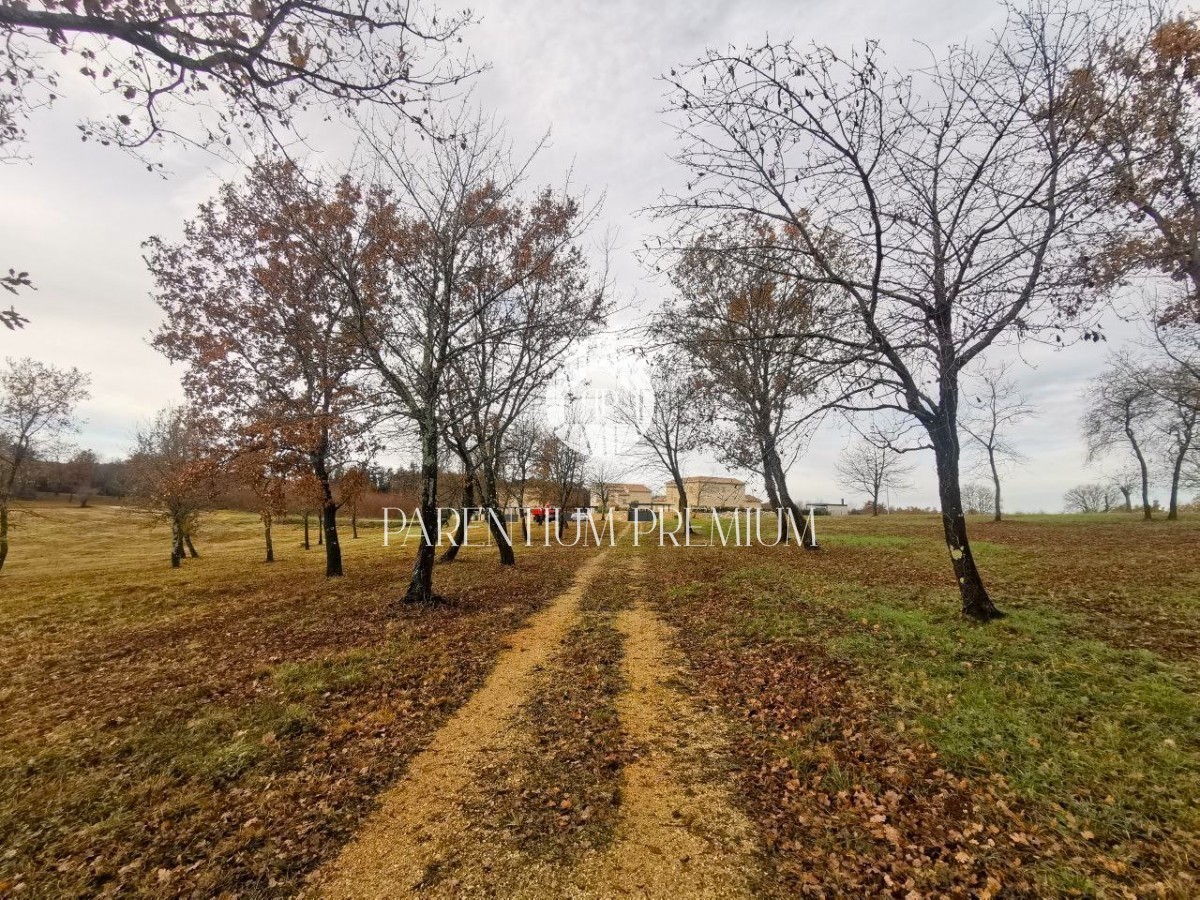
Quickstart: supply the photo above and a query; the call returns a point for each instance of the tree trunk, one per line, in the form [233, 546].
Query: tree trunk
[354, 523]
[1173, 504]
[500, 535]
[333, 548]
[786, 503]
[191, 548]
[307, 545]
[996, 482]
[976, 603]
[266, 518]
[329, 508]
[495, 516]
[460, 531]
[3, 531]
[420, 585]
[1183, 447]
[176, 545]
[1145, 471]
[875, 501]
[682, 505]
[1128, 494]
[769, 484]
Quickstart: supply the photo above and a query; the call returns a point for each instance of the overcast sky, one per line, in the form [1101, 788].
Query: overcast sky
[76, 214]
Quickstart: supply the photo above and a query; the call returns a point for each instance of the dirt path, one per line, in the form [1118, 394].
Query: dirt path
[677, 836]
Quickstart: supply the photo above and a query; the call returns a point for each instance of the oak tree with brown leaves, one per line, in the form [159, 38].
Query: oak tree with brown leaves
[266, 471]
[1139, 110]
[264, 327]
[751, 322]
[457, 261]
[173, 471]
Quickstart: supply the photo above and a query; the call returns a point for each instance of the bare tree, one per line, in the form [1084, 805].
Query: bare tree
[1089, 498]
[1176, 424]
[679, 422]
[993, 407]
[563, 468]
[37, 408]
[1174, 344]
[873, 468]
[1126, 480]
[1120, 407]
[957, 194]
[451, 241]
[1177, 340]
[243, 64]
[977, 498]
[524, 437]
[602, 477]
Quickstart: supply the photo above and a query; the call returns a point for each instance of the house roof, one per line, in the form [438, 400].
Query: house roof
[713, 479]
[750, 498]
[631, 487]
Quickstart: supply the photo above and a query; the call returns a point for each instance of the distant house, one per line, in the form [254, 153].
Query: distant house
[713, 491]
[825, 508]
[622, 496]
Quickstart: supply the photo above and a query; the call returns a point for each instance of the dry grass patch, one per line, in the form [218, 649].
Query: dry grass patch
[222, 728]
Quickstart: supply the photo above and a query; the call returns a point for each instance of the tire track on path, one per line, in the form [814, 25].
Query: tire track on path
[415, 828]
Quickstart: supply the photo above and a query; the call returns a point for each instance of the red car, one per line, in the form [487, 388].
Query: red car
[540, 515]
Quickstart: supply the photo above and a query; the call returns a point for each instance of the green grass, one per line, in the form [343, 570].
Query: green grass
[1084, 699]
[1113, 734]
[868, 540]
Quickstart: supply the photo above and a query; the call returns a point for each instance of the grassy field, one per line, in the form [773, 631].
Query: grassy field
[224, 728]
[886, 743]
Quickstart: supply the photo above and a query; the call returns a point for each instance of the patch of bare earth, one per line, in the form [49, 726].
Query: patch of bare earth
[679, 835]
[509, 801]
[415, 831]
